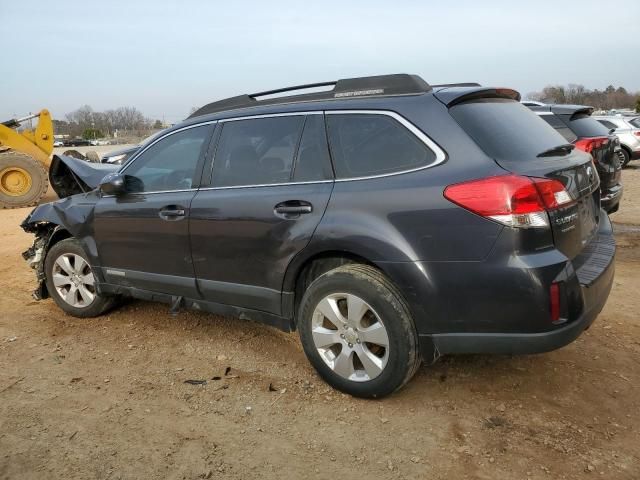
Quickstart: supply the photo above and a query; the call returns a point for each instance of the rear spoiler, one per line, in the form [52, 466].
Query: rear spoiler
[571, 109]
[455, 95]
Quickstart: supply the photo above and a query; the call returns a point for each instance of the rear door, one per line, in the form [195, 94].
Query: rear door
[520, 142]
[269, 185]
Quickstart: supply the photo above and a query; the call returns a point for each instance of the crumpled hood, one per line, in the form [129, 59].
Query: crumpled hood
[69, 176]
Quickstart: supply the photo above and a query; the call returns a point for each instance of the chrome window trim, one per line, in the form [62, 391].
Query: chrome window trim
[141, 194]
[267, 185]
[269, 115]
[434, 147]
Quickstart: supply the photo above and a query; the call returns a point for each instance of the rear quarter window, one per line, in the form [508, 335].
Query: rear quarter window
[635, 122]
[374, 144]
[505, 129]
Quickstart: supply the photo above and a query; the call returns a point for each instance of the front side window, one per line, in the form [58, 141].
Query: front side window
[170, 163]
[256, 151]
[374, 144]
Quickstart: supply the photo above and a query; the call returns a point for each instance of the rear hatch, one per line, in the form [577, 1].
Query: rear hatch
[525, 145]
[594, 138]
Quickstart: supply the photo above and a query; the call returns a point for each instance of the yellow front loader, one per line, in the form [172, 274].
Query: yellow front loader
[25, 157]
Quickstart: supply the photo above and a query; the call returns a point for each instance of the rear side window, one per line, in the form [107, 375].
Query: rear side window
[584, 126]
[313, 162]
[505, 129]
[257, 151]
[560, 127]
[372, 144]
[635, 122]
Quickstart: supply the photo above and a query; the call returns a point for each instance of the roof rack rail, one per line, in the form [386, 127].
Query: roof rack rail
[381, 85]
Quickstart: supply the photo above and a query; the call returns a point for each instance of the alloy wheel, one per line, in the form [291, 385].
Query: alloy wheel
[350, 337]
[74, 280]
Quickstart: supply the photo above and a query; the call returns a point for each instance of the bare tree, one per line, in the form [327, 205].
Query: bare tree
[610, 97]
[126, 119]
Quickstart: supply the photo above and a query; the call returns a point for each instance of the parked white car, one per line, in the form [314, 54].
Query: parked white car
[628, 131]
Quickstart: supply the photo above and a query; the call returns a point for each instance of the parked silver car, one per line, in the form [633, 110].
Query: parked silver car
[628, 131]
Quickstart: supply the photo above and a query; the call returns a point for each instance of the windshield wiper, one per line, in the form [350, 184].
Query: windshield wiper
[563, 149]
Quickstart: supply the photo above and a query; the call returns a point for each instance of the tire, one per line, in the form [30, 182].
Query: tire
[626, 157]
[340, 361]
[23, 180]
[79, 304]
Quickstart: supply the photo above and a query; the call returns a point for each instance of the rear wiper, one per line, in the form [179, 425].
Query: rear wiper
[563, 149]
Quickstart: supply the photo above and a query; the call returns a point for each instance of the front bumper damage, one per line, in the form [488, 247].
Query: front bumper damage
[35, 254]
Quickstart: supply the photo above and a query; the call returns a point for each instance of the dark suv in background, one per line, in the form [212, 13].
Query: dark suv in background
[575, 124]
[388, 220]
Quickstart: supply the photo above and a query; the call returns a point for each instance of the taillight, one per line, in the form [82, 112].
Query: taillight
[510, 199]
[637, 133]
[590, 144]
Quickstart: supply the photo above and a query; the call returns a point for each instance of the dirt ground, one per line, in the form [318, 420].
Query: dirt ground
[106, 398]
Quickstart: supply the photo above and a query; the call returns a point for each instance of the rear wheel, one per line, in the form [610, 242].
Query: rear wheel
[71, 282]
[357, 332]
[23, 180]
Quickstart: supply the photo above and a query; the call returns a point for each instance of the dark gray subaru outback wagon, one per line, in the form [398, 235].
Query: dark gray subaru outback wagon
[388, 220]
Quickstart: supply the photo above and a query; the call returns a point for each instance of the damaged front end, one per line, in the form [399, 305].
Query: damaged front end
[75, 182]
[35, 254]
[55, 221]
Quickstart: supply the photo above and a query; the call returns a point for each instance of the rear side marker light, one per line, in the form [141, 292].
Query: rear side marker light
[554, 302]
[512, 200]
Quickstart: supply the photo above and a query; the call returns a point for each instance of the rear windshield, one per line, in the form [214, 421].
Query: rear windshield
[505, 129]
[584, 126]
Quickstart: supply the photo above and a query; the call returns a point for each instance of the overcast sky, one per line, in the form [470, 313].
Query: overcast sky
[165, 57]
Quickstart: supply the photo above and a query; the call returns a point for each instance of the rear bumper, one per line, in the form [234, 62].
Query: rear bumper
[610, 200]
[523, 343]
[515, 312]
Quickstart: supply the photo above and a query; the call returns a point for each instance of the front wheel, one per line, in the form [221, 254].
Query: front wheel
[71, 282]
[357, 332]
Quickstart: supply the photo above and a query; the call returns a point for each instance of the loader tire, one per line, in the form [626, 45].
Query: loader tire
[23, 180]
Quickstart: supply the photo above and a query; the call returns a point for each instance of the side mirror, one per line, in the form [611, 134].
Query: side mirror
[113, 184]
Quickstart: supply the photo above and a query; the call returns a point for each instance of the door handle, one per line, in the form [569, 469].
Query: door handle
[293, 208]
[172, 212]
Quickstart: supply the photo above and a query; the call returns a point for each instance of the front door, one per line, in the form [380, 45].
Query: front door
[142, 237]
[270, 186]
